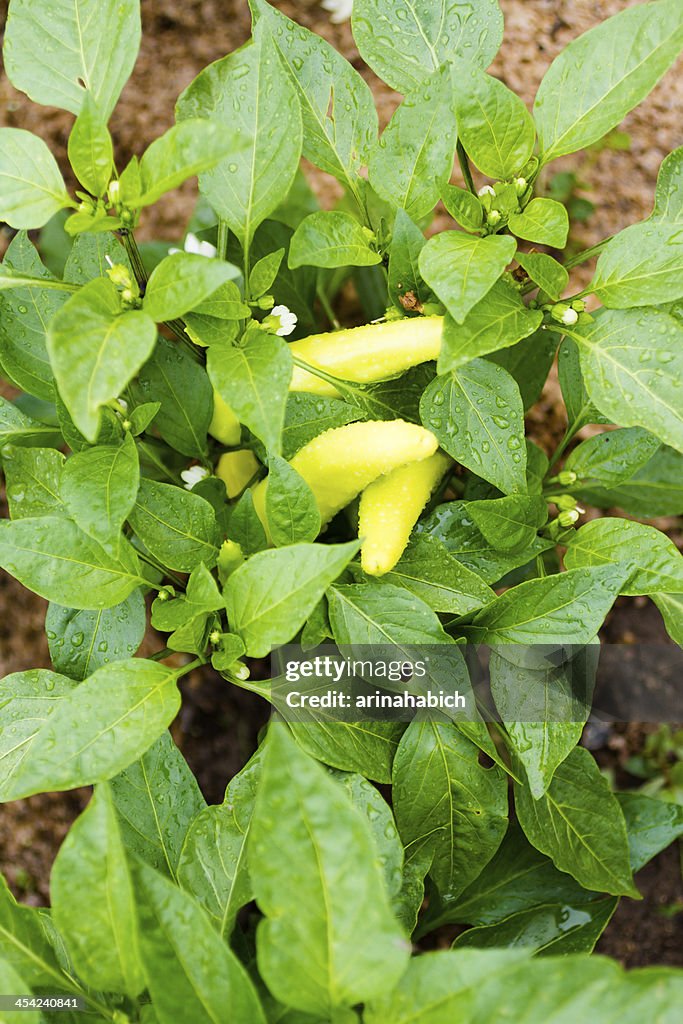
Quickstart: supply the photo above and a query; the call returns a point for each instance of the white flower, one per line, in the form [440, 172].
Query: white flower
[193, 475]
[486, 190]
[569, 317]
[196, 247]
[340, 10]
[287, 320]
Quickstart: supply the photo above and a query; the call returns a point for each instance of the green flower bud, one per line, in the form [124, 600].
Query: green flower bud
[568, 518]
[521, 185]
[493, 217]
[566, 478]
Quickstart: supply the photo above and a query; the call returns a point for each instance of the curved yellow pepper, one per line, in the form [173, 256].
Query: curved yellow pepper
[389, 508]
[365, 354]
[224, 426]
[338, 464]
[236, 469]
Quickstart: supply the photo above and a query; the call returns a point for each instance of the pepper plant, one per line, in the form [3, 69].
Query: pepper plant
[185, 437]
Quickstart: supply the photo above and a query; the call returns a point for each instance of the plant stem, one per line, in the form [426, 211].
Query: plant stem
[587, 254]
[131, 247]
[150, 560]
[160, 655]
[327, 308]
[465, 167]
[222, 240]
[197, 663]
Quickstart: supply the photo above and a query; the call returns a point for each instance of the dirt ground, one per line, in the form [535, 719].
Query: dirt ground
[218, 725]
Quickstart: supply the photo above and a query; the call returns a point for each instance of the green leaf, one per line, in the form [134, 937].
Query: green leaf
[653, 562]
[413, 159]
[77, 735]
[404, 45]
[82, 46]
[633, 367]
[291, 508]
[450, 524]
[264, 272]
[474, 985]
[26, 945]
[184, 150]
[381, 613]
[213, 860]
[509, 523]
[17, 428]
[641, 266]
[550, 276]
[613, 457]
[579, 825]
[53, 558]
[543, 220]
[270, 597]
[494, 126]
[337, 106]
[568, 607]
[173, 378]
[366, 747]
[24, 316]
[153, 826]
[499, 320]
[407, 243]
[181, 282]
[101, 935]
[31, 186]
[178, 527]
[89, 257]
[427, 570]
[591, 86]
[32, 481]
[245, 526]
[308, 415]
[462, 270]
[95, 350]
[580, 409]
[332, 239]
[244, 93]
[99, 487]
[324, 881]
[465, 208]
[517, 879]
[552, 928]
[91, 151]
[476, 413]
[668, 193]
[185, 962]
[253, 378]
[654, 490]
[671, 607]
[447, 803]
[12, 981]
[82, 641]
[652, 825]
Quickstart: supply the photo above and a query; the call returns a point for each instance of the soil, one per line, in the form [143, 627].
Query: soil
[218, 725]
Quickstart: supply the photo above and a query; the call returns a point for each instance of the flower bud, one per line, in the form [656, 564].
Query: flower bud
[563, 313]
[566, 478]
[114, 192]
[215, 637]
[486, 190]
[521, 185]
[493, 217]
[568, 517]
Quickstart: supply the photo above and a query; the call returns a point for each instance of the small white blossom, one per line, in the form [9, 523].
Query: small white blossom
[486, 190]
[340, 10]
[123, 404]
[569, 317]
[193, 475]
[287, 320]
[195, 246]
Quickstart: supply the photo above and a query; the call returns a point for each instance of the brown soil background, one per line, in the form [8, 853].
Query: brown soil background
[217, 728]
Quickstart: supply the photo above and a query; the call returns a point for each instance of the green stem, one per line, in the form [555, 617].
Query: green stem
[131, 247]
[327, 308]
[222, 240]
[587, 254]
[197, 663]
[465, 167]
[559, 451]
[160, 655]
[150, 560]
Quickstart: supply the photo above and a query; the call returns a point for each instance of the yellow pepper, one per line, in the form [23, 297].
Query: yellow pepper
[390, 507]
[338, 464]
[236, 469]
[365, 354]
[224, 426]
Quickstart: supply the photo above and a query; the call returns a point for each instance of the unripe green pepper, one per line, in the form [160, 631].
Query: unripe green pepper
[390, 507]
[224, 426]
[340, 463]
[365, 354]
